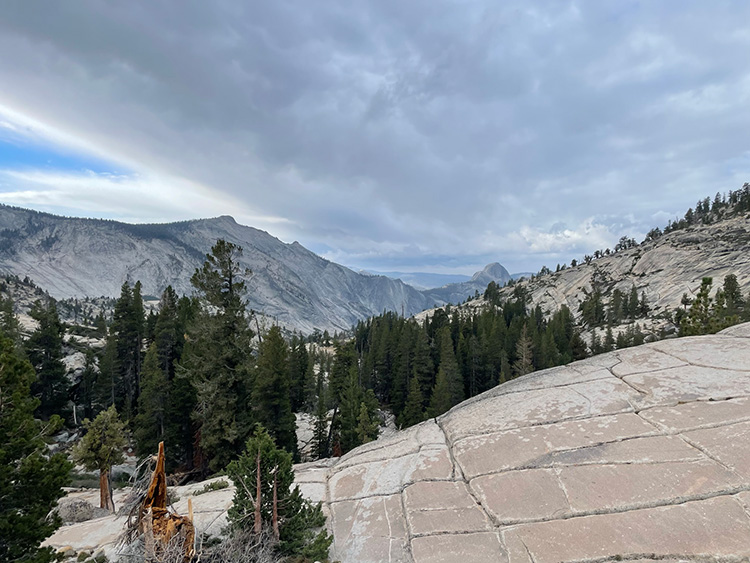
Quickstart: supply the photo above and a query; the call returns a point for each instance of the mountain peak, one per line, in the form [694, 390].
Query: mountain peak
[492, 272]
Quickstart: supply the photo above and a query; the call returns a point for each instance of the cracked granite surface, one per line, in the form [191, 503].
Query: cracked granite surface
[640, 454]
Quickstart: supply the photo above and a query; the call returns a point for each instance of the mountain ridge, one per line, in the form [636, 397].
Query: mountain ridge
[77, 257]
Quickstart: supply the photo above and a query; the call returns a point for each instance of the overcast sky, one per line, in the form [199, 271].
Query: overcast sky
[411, 135]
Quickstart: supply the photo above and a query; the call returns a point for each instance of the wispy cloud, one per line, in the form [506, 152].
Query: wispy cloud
[128, 197]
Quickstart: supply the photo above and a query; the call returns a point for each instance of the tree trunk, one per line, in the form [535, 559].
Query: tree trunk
[258, 523]
[105, 491]
[275, 510]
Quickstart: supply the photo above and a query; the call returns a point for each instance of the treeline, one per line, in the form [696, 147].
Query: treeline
[621, 306]
[422, 369]
[709, 315]
[706, 212]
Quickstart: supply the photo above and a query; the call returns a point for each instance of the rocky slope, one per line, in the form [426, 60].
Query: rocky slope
[85, 257]
[639, 454]
[664, 268]
[642, 453]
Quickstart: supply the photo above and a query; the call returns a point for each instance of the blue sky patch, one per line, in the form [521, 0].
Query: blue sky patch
[25, 156]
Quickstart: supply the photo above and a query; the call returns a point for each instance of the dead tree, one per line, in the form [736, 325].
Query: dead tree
[160, 527]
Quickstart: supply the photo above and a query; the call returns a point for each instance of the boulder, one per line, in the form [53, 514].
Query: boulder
[73, 510]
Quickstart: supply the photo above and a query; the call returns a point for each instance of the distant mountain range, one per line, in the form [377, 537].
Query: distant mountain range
[72, 257]
[430, 280]
[422, 280]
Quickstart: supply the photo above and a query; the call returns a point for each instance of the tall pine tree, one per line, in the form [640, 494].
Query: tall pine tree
[272, 404]
[44, 350]
[31, 480]
[217, 356]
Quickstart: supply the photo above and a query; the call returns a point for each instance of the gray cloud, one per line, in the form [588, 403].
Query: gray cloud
[394, 133]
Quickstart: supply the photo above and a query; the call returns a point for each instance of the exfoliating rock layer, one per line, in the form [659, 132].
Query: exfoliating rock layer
[642, 453]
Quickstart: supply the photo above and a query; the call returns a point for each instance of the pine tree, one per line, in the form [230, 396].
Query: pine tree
[273, 408]
[31, 481]
[149, 426]
[266, 499]
[320, 432]
[633, 303]
[367, 428]
[402, 368]
[423, 367]
[413, 412]
[85, 393]
[349, 406]
[345, 358]
[440, 401]
[10, 326]
[524, 354]
[168, 333]
[609, 340]
[139, 322]
[217, 357]
[125, 342]
[733, 296]
[169, 336]
[449, 365]
[698, 319]
[101, 448]
[297, 372]
[44, 350]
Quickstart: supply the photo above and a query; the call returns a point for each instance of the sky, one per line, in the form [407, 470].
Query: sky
[387, 135]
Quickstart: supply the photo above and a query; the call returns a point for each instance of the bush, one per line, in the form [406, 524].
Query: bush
[213, 486]
[297, 526]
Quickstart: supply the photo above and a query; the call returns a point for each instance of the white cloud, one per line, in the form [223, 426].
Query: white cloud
[136, 198]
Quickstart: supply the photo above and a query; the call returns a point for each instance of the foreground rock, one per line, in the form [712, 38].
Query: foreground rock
[209, 511]
[642, 453]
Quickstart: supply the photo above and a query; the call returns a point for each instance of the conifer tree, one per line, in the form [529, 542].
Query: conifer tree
[633, 303]
[125, 341]
[217, 358]
[10, 326]
[440, 401]
[733, 296]
[299, 376]
[698, 319]
[345, 358]
[349, 406]
[169, 336]
[265, 498]
[524, 354]
[449, 365]
[506, 372]
[101, 448]
[31, 481]
[402, 368]
[609, 340]
[367, 428]
[85, 393]
[44, 350]
[413, 412]
[273, 408]
[423, 367]
[320, 432]
[149, 426]
[139, 322]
